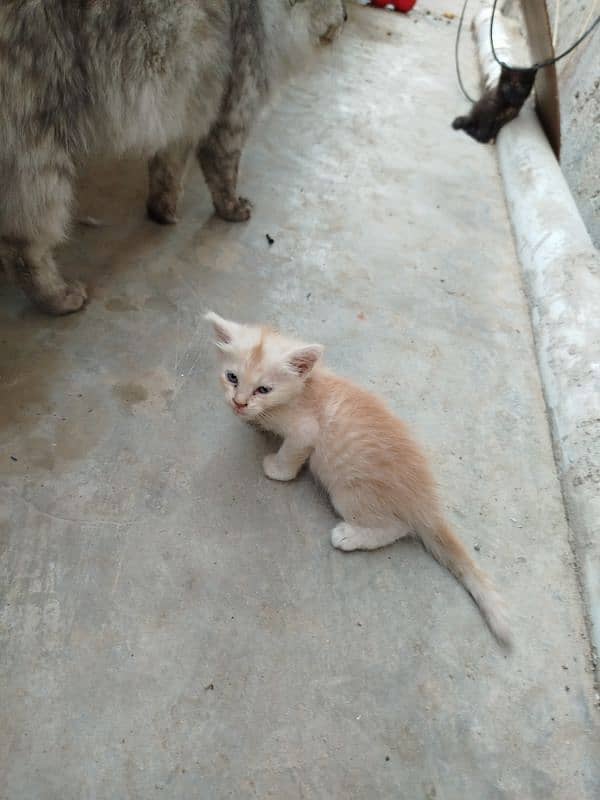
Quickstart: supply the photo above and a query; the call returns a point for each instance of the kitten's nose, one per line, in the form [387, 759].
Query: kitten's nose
[237, 404]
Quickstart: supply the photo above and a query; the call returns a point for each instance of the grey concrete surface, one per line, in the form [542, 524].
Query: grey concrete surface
[562, 272]
[176, 625]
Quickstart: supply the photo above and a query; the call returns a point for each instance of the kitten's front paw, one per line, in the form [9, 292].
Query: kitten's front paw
[274, 470]
[345, 537]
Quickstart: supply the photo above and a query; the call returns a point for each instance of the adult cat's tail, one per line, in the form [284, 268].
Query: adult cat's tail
[446, 548]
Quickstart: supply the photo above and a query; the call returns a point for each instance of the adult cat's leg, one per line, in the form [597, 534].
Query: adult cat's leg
[219, 156]
[353, 537]
[219, 153]
[32, 267]
[167, 173]
[35, 214]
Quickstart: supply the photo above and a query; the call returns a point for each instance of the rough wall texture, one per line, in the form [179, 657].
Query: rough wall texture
[579, 85]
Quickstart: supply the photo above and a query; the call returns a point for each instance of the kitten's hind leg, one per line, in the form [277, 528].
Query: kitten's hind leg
[353, 537]
[167, 172]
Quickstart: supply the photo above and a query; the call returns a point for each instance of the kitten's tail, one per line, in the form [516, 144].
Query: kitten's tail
[446, 548]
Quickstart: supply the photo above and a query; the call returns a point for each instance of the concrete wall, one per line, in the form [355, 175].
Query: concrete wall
[579, 85]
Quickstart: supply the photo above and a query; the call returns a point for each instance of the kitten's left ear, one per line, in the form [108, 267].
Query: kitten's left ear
[224, 329]
[302, 360]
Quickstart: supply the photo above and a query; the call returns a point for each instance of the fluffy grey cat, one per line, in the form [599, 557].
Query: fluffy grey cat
[162, 77]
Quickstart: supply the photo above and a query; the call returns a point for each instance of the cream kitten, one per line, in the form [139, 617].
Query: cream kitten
[377, 477]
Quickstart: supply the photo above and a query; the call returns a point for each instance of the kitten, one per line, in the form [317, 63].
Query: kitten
[376, 475]
[160, 78]
[497, 105]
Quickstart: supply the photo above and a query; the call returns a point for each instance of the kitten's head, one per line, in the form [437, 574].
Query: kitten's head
[325, 18]
[515, 85]
[259, 368]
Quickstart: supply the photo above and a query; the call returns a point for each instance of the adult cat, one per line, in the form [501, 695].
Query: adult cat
[88, 77]
[375, 473]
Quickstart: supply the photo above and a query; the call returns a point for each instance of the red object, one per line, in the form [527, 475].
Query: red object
[399, 5]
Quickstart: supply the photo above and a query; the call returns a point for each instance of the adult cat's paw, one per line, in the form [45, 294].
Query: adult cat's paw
[70, 298]
[274, 470]
[162, 208]
[238, 210]
[346, 537]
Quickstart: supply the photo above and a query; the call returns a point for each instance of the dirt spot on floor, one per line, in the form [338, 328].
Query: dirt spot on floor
[24, 384]
[149, 393]
[130, 393]
[160, 303]
[29, 363]
[120, 304]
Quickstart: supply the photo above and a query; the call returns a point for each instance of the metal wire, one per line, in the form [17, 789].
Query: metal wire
[541, 64]
[456, 58]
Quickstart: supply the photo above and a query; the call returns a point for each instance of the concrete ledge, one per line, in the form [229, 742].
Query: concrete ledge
[562, 276]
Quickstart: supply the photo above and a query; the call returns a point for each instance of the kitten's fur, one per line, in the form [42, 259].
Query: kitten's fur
[160, 77]
[376, 475]
[498, 105]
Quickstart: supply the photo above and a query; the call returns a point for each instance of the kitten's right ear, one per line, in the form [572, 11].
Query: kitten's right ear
[302, 360]
[224, 329]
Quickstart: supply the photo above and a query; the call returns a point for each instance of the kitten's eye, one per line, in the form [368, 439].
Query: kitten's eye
[232, 378]
[264, 389]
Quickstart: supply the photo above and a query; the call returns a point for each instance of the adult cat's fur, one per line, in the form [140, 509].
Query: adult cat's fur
[154, 76]
[376, 475]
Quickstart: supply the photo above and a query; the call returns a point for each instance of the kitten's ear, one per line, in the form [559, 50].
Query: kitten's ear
[224, 329]
[302, 360]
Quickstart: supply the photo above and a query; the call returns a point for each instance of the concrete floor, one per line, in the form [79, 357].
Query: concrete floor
[177, 625]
